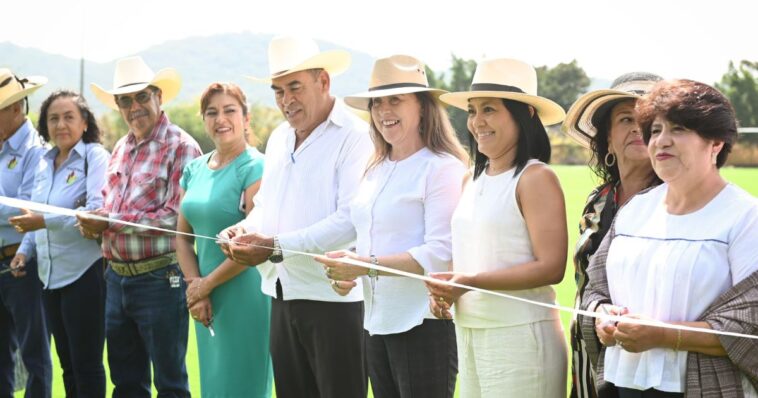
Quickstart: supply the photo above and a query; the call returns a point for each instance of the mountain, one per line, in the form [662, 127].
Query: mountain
[199, 60]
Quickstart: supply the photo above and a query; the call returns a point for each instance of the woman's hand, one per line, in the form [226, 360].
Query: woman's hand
[449, 294]
[439, 307]
[17, 265]
[634, 337]
[606, 328]
[197, 289]
[343, 287]
[202, 311]
[28, 221]
[340, 271]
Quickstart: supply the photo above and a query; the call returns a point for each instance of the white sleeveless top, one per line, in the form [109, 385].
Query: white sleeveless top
[489, 233]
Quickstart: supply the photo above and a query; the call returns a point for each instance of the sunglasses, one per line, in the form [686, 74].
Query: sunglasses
[125, 101]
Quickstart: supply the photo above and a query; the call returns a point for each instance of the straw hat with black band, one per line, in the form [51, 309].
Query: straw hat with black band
[508, 79]
[394, 75]
[589, 110]
[133, 75]
[290, 54]
[14, 89]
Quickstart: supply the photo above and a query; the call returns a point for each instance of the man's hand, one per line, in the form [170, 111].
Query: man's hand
[91, 228]
[27, 221]
[251, 249]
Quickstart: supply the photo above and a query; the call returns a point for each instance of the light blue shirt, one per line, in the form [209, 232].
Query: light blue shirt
[19, 158]
[63, 255]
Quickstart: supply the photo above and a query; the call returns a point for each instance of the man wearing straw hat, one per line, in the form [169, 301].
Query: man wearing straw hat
[145, 312]
[313, 165]
[22, 318]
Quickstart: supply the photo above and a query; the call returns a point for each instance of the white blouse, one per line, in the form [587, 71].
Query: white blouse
[671, 268]
[489, 233]
[405, 206]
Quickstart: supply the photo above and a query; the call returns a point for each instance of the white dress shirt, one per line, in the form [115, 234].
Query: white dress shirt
[304, 199]
[405, 206]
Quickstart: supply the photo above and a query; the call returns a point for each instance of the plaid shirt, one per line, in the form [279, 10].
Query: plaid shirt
[142, 186]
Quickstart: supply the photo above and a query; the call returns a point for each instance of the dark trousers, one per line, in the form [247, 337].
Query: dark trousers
[22, 325]
[419, 363]
[650, 393]
[317, 349]
[76, 318]
[146, 322]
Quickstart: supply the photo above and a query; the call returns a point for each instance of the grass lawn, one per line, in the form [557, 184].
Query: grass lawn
[577, 182]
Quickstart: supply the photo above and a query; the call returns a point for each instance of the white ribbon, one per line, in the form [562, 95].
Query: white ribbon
[44, 208]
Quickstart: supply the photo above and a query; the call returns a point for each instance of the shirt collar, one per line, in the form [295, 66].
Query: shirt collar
[21, 135]
[339, 114]
[80, 149]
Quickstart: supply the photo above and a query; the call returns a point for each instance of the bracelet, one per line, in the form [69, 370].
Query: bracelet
[678, 339]
[372, 273]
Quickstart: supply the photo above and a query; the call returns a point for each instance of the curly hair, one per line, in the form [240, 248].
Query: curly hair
[693, 105]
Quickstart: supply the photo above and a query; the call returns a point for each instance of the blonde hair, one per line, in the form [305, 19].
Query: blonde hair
[435, 129]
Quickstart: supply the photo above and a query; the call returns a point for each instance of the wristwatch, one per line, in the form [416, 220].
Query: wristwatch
[373, 273]
[276, 255]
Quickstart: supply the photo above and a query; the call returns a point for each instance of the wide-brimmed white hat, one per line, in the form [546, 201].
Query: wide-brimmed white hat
[584, 115]
[132, 75]
[13, 89]
[509, 79]
[290, 54]
[397, 74]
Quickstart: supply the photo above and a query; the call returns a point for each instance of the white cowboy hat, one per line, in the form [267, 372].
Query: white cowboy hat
[132, 75]
[13, 89]
[290, 54]
[587, 111]
[508, 79]
[398, 74]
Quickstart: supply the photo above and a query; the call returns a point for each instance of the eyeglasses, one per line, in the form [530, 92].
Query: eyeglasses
[125, 101]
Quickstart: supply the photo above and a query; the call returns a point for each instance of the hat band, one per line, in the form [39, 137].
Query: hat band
[495, 87]
[397, 85]
[133, 84]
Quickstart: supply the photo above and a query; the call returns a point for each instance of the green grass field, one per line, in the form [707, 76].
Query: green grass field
[577, 182]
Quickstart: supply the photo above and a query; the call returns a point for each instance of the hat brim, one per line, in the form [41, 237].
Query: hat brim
[548, 111]
[167, 79]
[578, 124]
[334, 62]
[32, 84]
[361, 101]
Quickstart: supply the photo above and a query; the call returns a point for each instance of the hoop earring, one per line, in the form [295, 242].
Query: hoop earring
[612, 161]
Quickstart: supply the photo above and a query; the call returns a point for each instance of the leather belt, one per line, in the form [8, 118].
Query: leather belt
[134, 268]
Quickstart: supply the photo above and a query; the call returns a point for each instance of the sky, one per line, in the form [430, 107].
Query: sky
[676, 39]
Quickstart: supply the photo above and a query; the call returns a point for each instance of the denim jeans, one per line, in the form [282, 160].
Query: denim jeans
[22, 324]
[146, 321]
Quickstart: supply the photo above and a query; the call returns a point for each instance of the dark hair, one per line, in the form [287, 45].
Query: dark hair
[599, 143]
[92, 134]
[230, 89]
[693, 105]
[437, 133]
[533, 142]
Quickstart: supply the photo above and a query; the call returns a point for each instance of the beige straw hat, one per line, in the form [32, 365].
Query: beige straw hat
[398, 74]
[290, 54]
[13, 89]
[132, 75]
[510, 79]
[589, 109]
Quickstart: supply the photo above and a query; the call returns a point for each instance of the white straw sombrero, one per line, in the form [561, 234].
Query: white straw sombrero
[290, 54]
[398, 74]
[509, 79]
[132, 75]
[584, 115]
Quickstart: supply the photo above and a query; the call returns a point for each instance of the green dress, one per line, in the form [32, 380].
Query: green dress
[236, 362]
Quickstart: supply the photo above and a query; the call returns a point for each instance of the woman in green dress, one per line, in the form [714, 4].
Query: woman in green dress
[223, 296]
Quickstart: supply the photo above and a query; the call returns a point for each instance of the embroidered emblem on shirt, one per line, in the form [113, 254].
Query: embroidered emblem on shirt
[71, 178]
[13, 163]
